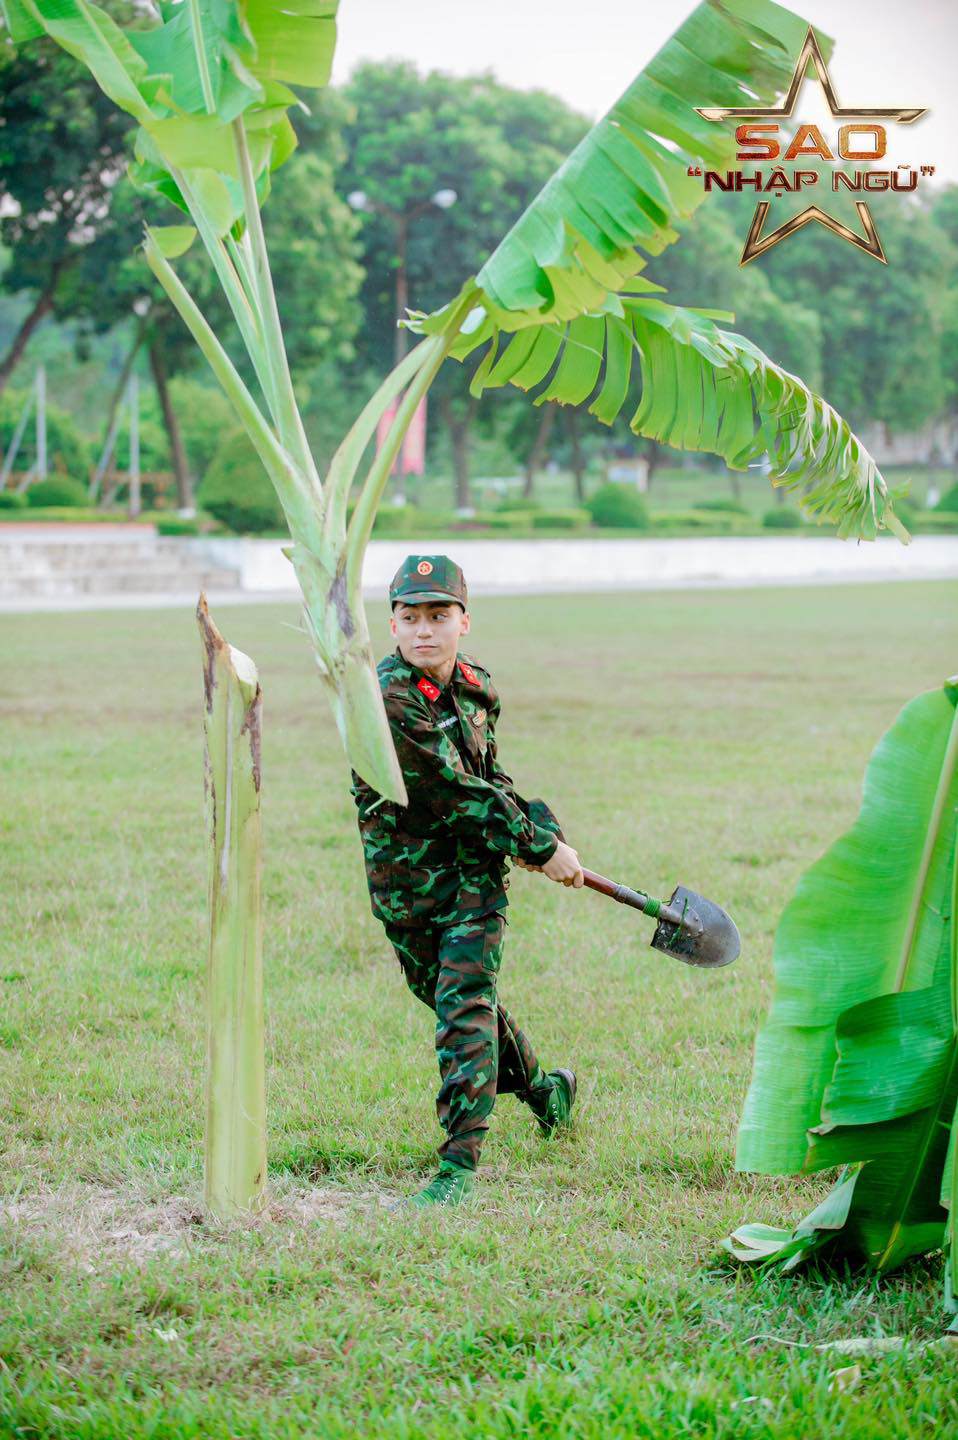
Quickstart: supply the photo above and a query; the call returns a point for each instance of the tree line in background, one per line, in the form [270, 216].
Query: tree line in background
[400, 185]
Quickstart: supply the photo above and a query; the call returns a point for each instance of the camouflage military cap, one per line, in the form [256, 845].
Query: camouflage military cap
[421, 578]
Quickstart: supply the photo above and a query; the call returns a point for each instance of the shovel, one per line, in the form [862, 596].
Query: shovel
[689, 927]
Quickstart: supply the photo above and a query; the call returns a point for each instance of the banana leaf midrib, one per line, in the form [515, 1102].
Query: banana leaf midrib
[907, 1192]
[948, 767]
[913, 1178]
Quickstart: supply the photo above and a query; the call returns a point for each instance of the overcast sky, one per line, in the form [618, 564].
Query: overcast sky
[888, 52]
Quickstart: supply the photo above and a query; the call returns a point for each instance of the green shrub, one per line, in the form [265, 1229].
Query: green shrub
[434, 522]
[397, 519]
[176, 525]
[205, 415]
[560, 519]
[932, 522]
[60, 514]
[618, 507]
[68, 453]
[949, 501]
[505, 519]
[724, 505]
[518, 502]
[907, 512]
[718, 522]
[59, 492]
[10, 500]
[496, 520]
[783, 517]
[237, 490]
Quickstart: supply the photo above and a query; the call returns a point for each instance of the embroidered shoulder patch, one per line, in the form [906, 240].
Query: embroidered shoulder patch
[428, 689]
[469, 673]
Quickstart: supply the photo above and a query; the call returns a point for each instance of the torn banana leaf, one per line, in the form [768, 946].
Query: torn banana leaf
[562, 302]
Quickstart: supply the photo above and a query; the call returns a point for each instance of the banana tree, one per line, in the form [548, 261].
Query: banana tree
[857, 1065]
[561, 306]
[235, 1142]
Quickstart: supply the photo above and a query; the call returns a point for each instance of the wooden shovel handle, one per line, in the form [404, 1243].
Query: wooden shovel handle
[600, 883]
[658, 909]
[622, 893]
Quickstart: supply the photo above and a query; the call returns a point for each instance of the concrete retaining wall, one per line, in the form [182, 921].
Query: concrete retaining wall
[516, 566]
[65, 567]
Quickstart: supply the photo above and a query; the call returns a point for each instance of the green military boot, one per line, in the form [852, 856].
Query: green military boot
[556, 1111]
[451, 1185]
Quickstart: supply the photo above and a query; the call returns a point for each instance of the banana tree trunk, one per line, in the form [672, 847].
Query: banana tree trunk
[235, 1149]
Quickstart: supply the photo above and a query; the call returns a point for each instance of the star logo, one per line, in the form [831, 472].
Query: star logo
[758, 242]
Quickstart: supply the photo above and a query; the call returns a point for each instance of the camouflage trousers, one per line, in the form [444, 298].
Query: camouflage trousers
[481, 1050]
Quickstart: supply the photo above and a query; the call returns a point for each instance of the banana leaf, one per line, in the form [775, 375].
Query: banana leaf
[701, 387]
[209, 88]
[561, 291]
[857, 1064]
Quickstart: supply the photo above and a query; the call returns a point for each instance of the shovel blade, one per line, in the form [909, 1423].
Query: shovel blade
[711, 939]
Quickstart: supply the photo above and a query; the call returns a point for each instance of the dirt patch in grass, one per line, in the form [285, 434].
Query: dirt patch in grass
[93, 1226]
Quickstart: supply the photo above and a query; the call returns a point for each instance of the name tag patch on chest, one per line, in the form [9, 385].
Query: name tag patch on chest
[443, 724]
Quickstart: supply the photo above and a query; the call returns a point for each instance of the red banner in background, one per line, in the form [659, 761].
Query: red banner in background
[413, 459]
[412, 456]
[382, 429]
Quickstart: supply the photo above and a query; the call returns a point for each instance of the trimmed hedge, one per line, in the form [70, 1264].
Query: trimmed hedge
[176, 525]
[560, 519]
[69, 514]
[237, 490]
[58, 492]
[716, 522]
[517, 503]
[396, 519]
[10, 500]
[724, 506]
[949, 501]
[618, 507]
[68, 453]
[783, 517]
[506, 520]
[943, 522]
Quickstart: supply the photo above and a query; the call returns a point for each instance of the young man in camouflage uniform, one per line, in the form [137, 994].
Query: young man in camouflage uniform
[436, 867]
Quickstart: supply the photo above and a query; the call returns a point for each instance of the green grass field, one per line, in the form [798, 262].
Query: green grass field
[714, 738]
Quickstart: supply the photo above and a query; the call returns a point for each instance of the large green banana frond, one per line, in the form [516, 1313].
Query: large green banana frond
[560, 302]
[622, 190]
[858, 1063]
[700, 388]
[209, 88]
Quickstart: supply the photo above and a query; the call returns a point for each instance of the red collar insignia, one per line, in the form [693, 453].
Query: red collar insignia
[469, 673]
[431, 691]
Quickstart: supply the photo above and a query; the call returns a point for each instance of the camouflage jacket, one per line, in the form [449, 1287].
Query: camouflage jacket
[441, 858]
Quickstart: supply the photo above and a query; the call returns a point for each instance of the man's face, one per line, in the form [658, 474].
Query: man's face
[428, 634]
